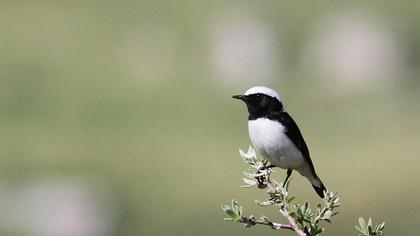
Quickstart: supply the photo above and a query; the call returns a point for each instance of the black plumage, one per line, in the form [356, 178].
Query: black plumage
[264, 106]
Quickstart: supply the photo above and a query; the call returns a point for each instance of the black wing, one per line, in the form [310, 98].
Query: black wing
[293, 132]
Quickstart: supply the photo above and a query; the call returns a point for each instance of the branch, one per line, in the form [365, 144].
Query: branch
[285, 213]
[292, 222]
[273, 225]
[301, 219]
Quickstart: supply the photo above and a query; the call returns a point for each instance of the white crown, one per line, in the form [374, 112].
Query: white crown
[263, 90]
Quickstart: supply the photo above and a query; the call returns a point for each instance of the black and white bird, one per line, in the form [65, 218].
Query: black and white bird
[276, 136]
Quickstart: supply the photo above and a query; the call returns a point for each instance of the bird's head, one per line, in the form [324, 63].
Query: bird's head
[261, 101]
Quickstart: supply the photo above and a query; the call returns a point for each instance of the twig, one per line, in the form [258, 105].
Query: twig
[300, 217]
[292, 221]
[285, 213]
[273, 225]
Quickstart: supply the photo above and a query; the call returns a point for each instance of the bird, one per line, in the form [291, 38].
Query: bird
[276, 136]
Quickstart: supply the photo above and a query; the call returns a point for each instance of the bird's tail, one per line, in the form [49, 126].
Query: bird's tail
[318, 186]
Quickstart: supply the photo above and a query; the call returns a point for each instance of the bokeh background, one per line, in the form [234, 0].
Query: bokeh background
[117, 117]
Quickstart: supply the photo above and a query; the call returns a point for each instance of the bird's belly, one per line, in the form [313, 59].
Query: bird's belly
[271, 142]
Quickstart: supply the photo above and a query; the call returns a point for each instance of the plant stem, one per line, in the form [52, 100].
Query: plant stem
[285, 213]
[273, 225]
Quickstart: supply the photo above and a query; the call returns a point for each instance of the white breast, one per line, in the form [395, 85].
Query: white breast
[271, 142]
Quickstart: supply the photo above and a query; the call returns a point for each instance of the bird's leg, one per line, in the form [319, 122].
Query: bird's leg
[289, 173]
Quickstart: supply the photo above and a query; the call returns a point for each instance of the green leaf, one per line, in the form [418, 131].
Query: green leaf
[232, 214]
[240, 211]
[327, 214]
[369, 222]
[362, 231]
[369, 229]
[293, 214]
[318, 231]
[290, 199]
[225, 208]
[248, 183]
[307, 220]
[235, 206]
[362, 223]
[358, 228]
[305, 207]
[381, 226]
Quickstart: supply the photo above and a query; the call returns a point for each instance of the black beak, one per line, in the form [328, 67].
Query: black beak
[240, 97]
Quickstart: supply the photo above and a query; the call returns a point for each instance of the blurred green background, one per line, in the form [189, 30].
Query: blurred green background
[117, 117]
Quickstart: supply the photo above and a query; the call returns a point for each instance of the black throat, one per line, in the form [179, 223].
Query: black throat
[264, 107]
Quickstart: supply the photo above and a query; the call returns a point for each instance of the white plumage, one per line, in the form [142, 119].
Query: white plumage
[271, 142]
[263, 90]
